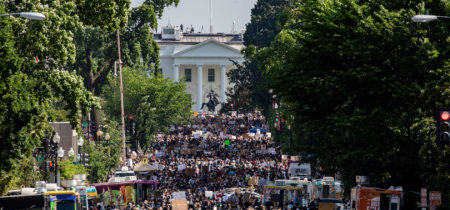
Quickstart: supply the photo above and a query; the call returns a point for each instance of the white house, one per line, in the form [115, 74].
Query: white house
[203, 59]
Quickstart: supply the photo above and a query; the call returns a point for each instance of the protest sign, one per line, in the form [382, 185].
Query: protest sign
[179, 195]
[271, 150]
[179, 205]
[189, 171]
[208, 194]
[268, 134]
[181, 167]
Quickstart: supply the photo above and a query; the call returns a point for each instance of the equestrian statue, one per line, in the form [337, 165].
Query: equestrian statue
[213, 101]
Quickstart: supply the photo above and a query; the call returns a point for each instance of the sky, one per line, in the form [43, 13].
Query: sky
[197, 14]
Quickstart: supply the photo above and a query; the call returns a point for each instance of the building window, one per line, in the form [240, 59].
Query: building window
[211, 75]
[169, 31]
[187, 73]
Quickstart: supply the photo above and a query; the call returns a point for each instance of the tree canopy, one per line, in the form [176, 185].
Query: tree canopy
[27, 89]
[96, 47]
[367, 80]
[155, 102]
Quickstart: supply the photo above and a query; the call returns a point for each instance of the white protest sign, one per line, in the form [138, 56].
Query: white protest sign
[208, 194]
[221, 134]
[268, 134]
[233, 137]
[179, 195]
[252, 134]
[199, 132]
[196, 136]
[181, 167]
[271, 150]
[160, 154]
[231, 122]
[155, 164]
[239, 115]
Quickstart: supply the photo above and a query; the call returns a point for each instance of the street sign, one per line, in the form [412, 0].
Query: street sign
[435, 198]
[423, 197]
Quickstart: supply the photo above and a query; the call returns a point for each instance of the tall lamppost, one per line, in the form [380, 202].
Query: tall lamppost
[56, 139]
[27, 15]
[80, 143]
[60, 155]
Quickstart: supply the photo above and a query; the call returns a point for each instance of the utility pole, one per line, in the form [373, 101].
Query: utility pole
[121, 98]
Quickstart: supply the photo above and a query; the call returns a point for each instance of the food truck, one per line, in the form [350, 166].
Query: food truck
[368, 198]
[135, 191]
[287, 193]
[30, 202]
[87, 195]
[326, 188]
[66, 200]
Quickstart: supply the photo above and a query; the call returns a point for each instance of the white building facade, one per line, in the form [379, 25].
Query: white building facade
[203, 60]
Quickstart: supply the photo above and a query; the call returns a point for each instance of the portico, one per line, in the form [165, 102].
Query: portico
[204, 67]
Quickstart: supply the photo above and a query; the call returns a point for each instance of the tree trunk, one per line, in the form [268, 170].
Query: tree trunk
[94, 117]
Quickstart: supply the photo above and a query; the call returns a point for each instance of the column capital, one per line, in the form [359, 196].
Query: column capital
[199, 65]
[176, 65]
[223, 65]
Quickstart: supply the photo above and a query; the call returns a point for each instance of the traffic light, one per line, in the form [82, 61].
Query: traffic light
[93, 127]
[85, 159]
[443, 126]
[134, 128]
[131, 126]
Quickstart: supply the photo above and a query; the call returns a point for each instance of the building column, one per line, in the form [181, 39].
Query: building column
[223, 83]
[199, 86]
[175, 72]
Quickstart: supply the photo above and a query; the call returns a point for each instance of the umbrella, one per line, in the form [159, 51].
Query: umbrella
[144, 167]
[262, 130]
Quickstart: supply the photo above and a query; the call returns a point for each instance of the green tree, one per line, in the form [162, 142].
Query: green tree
[105, 156]
[155, 102]
[27, 89]
[238, 94]
[164, 103]
[366, 80]
[260, 32]
[25, 174]
[96, 48]
[68, 169]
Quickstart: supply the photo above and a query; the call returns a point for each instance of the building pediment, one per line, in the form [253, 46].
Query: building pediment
[209, 48]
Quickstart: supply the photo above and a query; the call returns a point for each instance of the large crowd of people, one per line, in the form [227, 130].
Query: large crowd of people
[212, 160]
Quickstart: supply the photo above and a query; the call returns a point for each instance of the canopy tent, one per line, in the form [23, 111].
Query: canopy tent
[262, 130]
[144, 167]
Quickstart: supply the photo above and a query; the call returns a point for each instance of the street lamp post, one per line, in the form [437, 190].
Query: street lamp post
[56, 140]
[60, 155]
[27, 15]
[80, 144]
